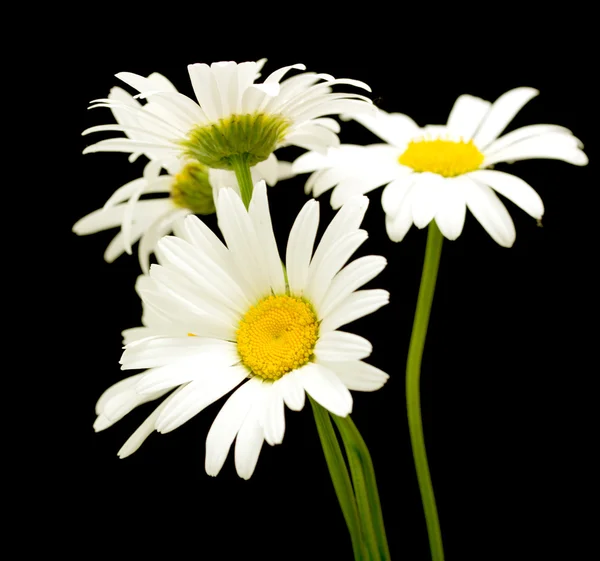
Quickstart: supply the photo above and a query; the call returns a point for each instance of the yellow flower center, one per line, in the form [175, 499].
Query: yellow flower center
[444, 157]
[277, 335]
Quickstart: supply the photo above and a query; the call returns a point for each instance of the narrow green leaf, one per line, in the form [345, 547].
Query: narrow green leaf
[340, 478]
[365, 488]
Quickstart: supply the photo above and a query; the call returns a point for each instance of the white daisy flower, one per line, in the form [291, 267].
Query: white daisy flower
[437, 172]
[235, 120]
[219, 317]
[189, 185]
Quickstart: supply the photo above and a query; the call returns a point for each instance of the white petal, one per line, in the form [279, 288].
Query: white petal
[466, 115]
[239, 233]
[339, 345]
[292, 390]
[426, 197]
[300, 246]
[206, 90]
[160, 351]
[227, 424]
[521, 134]
[501, 113]
[120, 387]
[554, 146]
[395, 128]
[349, 279]
[160, 227]
[320, 276]
[358, 375]
[261, 218]
[393, 195]
[451, 211]
[211, 385]
[250, 438]
[144, 430]
[348, 219]
[203, 273]
[490, 212]
[513, 188]
[398, 225]
[327, 389]
[357, 305]
[272, 417]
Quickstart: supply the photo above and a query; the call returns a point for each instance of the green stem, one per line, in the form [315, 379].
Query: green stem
[239, 164]
[340, 478]
[365, 488]
[413, 399]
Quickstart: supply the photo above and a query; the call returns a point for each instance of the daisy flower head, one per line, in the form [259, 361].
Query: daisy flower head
[219, 317]
[438, 171]
[187, 187]
[234, 118]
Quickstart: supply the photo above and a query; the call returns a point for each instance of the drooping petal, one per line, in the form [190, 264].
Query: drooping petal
[327, 389]
[490, 212]
[513, 188]
[227, 424]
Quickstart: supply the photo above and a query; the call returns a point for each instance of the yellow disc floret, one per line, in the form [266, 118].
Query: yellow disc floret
[277, 335]
[444, 157]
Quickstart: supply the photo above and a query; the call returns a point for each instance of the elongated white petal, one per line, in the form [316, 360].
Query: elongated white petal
[501, 113]
[250, 437]
[120, 387]
[466, 115]
[521, 134]
[427, 190]
[554, 146]
[300, 246]
[165, 350]
[355, 306]
[398, 225]
[451, 209]
[513, 188]
[327, 389]
[359, 376]
[273, 415]
[394, 193]
[292, 390]
[320, 276]
[350, 278]
[208, 387]
[339, 345]
[261, 218]
[490, 212]
[347, 220]
[161, 226]
[227, 424]
[395, 128]
[134, 442]
[242, 241]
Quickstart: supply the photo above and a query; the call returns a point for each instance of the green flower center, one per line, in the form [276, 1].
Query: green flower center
[254, 136]
[191, 189]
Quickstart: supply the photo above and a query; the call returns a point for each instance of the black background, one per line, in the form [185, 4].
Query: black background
[504, 378]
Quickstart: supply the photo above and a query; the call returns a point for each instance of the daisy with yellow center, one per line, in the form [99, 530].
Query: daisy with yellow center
[236, 122]
[219, 317]
[437, 172]
[148, 207]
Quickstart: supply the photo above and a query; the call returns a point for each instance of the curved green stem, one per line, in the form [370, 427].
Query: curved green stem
[365, 488]
[413, 393]
[340, 479]
[239, 164]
